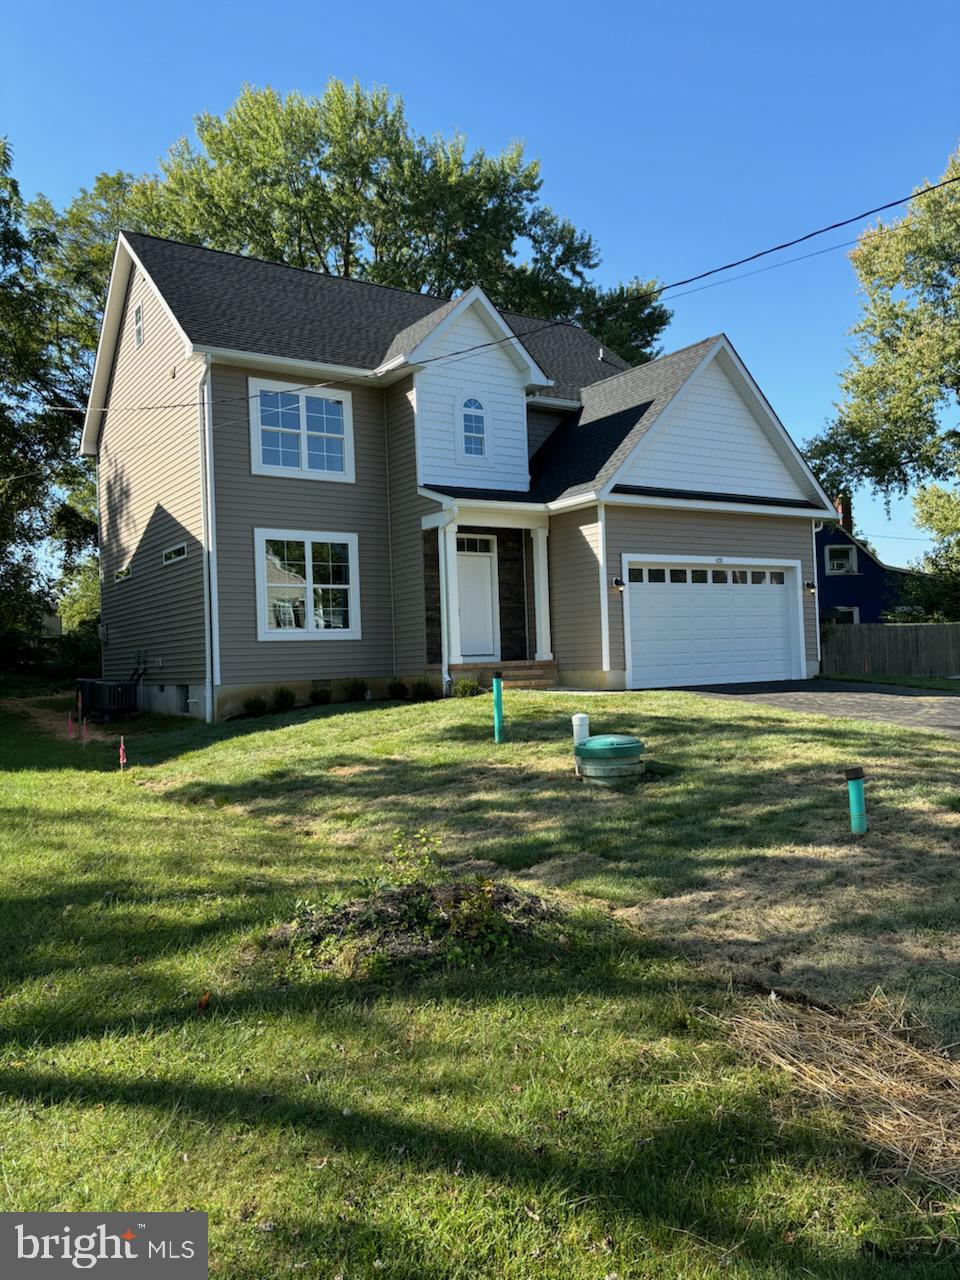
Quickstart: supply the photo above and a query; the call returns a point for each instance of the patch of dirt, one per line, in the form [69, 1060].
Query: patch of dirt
[48, 720]
[416, 924]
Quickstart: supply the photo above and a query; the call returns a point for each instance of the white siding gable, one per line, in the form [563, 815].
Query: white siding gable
[489, 374]
[712, 441]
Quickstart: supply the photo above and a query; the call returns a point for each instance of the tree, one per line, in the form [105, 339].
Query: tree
[896, 426]
[341, 184]
[37, 434]
[79, 595]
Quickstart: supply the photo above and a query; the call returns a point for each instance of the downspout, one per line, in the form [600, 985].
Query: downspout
[205, 530]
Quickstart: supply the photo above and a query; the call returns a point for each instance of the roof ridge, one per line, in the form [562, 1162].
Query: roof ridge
[371, 284]
[647, 364]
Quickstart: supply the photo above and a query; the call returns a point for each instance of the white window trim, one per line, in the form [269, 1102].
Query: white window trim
[139, 332]
[847, 608]
[178, 559]
[258, 468]
[485, 459]
[123, 573]
[840, 573]
[260, 538]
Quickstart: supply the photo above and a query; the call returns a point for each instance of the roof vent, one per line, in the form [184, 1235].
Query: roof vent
[600, 354]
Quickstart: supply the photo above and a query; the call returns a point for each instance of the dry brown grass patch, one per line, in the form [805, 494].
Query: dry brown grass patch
[901, 1097]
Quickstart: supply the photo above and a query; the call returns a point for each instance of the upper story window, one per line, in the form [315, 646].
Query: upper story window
[301, 432]
[138, 324]
[474, 428]
[841, 559]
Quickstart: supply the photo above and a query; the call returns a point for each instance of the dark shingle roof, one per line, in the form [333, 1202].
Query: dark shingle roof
[586, 449]
[244, 304]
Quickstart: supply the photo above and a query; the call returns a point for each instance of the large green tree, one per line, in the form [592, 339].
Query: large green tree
[341, 184]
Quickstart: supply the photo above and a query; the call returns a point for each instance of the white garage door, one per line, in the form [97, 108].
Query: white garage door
[711, 623]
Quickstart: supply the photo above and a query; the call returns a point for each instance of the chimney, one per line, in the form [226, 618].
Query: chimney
[844, 506]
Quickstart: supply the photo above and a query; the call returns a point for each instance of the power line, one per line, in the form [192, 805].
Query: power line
[452, 356]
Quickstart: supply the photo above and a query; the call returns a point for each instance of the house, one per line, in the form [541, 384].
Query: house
[855, 585]
[304, 479]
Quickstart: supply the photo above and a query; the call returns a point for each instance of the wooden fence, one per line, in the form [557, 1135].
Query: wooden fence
[891, 649]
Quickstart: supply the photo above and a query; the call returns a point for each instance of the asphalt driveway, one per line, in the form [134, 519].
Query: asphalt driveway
[914, 708]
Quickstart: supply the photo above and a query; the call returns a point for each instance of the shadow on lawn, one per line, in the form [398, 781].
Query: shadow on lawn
[675, 1175]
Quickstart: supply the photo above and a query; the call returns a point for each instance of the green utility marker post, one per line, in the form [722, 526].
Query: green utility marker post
[858, 806]
[498, 706]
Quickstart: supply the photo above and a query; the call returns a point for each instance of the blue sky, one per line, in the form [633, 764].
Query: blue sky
[679, 135]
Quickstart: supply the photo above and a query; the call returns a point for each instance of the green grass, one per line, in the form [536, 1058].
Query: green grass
[572, 1115]
[907, 682]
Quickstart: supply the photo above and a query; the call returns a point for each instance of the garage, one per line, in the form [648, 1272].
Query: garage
[711, 621]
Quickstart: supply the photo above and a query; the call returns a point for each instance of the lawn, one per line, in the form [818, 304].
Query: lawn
[578, 1112]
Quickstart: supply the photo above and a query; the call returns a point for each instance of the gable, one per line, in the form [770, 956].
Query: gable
[491, 375]
[715, 438]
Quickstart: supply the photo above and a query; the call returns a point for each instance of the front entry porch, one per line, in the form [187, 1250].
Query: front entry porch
[487, 595]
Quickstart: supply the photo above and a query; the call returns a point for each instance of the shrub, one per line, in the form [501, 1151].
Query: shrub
[467, 688]
[397, 690]
[284, 699]
[422, 691]
[319, 697]
[355, 690]
[255, 706]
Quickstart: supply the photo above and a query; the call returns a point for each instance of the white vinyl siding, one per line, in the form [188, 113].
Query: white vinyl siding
[710, 441]
[489, 375]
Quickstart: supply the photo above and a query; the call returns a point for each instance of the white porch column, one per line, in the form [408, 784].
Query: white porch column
[541, 595]
[454, 655]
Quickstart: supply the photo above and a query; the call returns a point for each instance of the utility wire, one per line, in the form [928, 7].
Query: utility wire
[653, 294]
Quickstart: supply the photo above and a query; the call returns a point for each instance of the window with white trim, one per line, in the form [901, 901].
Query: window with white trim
[304, 432]
[138, 324]
[308, 585]
[841, 559]
[474, 421]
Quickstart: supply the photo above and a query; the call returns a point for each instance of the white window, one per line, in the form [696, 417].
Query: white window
[138, 324]
[121, 574]
[174, 554]
[841, 559]
[301, 432]
[308, 585]
[474, 428]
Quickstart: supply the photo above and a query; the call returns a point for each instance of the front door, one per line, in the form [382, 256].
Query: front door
[479, 597]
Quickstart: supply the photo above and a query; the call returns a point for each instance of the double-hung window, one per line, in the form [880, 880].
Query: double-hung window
[308, 585]
[841, 558]
[303, 432]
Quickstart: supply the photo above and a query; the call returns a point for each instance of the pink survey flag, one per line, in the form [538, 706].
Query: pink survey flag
[123, 754]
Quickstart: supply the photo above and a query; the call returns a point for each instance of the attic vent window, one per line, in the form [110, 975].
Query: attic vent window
[474, 428]
[173, 554]
[138, 325]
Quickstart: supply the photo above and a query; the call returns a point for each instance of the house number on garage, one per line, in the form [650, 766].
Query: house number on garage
[718, 560]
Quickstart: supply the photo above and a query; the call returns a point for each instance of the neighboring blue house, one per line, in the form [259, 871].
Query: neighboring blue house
[853, 585]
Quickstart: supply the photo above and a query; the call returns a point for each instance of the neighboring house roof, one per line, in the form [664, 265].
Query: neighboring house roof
[832, 529]
[229, 302]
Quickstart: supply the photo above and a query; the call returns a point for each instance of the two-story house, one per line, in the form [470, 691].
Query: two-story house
[304, 479]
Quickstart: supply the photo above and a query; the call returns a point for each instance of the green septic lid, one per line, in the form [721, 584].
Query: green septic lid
[609, 746]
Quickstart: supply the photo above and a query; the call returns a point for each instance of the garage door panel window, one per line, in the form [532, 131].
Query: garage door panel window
[776, 577]
[635, 575]
[656, 575]
[719, 575]
[698, 575]
[678, 575]
[739, 577]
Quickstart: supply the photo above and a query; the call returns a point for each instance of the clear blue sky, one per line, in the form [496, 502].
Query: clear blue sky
[679, 135]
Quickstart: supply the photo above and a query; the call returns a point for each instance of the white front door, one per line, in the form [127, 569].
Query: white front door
[479, 598]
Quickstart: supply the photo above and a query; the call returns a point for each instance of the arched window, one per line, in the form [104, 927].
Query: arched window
[474, 428]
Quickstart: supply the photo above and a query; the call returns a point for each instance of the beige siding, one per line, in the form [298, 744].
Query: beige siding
[646, 531]
[406, 535]
[245, 502]
[574, 557]
[150, 499]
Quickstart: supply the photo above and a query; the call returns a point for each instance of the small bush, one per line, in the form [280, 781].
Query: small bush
[319, 697]
[284, 699]
[355, 690]
[255, 706]
[467, 688]
[422, 691]
[398, 691]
